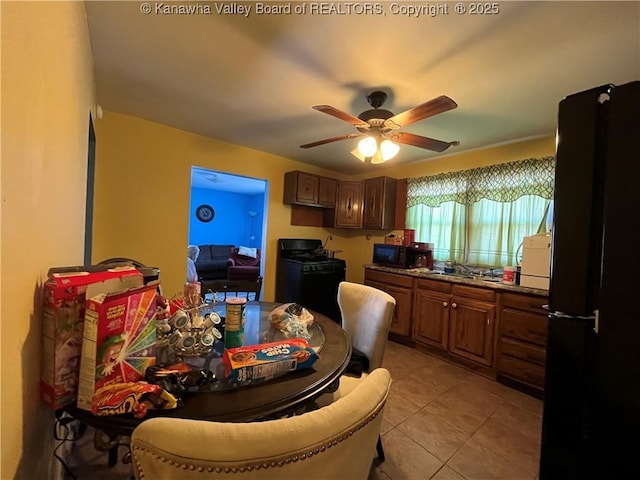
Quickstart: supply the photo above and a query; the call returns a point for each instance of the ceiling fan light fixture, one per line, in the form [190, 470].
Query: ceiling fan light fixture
[367, 146]
[356, 153]
[388, 150]
[378, 157]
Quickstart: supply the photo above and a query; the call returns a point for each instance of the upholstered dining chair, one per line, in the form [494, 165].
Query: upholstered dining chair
[337, 441]
[366, 316]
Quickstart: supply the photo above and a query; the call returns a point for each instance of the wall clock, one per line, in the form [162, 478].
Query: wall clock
[205, 213]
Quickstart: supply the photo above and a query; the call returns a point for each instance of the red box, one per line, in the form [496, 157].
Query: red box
[62, 327]
[119, 340]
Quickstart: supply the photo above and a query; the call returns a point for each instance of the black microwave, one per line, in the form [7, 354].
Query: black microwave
[391, 255]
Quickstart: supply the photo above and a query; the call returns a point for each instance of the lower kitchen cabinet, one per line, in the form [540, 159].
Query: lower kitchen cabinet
[456, 318]
[399, 287]
[501, 334]
[431, 313]
[522, 340]
[472, 323]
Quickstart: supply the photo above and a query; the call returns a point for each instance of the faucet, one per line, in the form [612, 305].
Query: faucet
[324, 247]
[464, 267]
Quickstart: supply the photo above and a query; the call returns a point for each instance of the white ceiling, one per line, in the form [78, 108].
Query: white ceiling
[253, 80]
[214, 180]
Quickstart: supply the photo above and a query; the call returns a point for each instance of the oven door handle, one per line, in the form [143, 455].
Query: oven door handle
[322, 272]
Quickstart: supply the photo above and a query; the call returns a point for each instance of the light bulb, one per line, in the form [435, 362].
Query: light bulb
[388, 149]
[367, 146]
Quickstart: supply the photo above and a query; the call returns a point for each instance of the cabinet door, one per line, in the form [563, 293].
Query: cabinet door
[301, 188]
[401, 322]
[431, 318]
[471, 324]
[349, 205]
[327, 191]
[379, 202]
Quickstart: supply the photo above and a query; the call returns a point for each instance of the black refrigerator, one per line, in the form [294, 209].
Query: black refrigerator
[591, 418]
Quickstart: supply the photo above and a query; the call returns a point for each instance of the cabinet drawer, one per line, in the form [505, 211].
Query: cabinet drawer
[523, 351]
[472, 292]
[523, 326]
[524, 302]
[517, 369]
[434, 285]
[390, 278]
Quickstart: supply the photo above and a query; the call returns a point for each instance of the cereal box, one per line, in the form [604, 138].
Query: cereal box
[62, 327]
[119, 339]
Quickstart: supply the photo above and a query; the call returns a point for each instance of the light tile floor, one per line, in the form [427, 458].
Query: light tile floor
[441, 422]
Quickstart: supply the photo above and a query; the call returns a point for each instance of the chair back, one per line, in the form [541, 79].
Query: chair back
[235, 288]
[366, 316]
[337, 441]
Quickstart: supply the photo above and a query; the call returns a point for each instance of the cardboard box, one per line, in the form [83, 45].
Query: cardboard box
[119, 339]
[62, 327]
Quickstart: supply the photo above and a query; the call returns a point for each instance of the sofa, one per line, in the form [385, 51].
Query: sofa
[212, 262]
[243, 264]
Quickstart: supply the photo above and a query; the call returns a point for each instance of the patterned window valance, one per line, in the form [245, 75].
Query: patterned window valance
[504, 182]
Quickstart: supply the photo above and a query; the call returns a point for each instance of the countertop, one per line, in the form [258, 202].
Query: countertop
[436, 275]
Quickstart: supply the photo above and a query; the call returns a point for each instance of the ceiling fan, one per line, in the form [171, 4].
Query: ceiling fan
[380, 127]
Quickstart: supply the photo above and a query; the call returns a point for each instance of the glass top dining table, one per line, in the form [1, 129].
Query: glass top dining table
[223, 402]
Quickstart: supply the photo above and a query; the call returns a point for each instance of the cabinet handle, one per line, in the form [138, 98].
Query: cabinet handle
[445, 304]
[454, 305]
[488, 320]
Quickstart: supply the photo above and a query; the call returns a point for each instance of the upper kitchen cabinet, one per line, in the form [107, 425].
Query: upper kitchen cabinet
[327, 188]
[348, 211]
[379, 203]
[301, 188]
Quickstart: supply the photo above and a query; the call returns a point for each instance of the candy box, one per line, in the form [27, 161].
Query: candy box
[263, 361]
[63, 324]
[119, 339]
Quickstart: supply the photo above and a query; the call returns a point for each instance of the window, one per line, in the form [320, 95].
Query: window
[480, 216]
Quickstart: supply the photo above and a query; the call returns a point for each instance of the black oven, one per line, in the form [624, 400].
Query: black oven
[303, 276]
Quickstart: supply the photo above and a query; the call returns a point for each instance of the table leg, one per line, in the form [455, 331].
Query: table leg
[108, 443]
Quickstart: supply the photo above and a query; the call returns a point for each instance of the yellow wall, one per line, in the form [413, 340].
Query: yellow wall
[143, 174]
[142, 191]
[47, 94]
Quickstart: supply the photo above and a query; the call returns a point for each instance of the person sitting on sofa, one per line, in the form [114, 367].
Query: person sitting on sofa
[192, 256]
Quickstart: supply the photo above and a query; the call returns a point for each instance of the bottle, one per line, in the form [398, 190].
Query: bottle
[234, 329]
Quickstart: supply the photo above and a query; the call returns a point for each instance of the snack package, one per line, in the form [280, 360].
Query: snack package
[293, 320]
[131, 397]
[63, 325]
[264, 361]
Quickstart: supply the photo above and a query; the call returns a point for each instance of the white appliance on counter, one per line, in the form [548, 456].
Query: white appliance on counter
[536, 261]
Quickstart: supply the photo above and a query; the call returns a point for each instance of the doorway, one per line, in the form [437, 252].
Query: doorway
[228, 209]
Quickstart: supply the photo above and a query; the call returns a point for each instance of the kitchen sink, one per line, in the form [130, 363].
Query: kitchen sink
[470, 276]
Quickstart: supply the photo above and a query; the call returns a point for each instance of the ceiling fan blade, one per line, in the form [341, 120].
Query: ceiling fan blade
[422, 142]
[427, 109]
[329, 140]
[333, 111]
